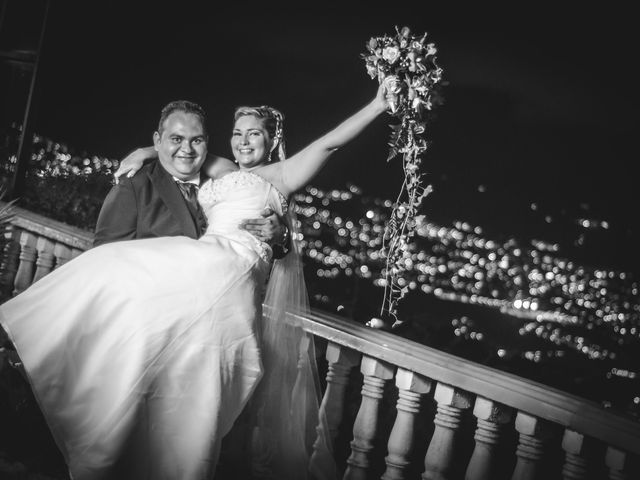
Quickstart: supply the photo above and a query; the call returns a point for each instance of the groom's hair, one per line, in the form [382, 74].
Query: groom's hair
[182, 106]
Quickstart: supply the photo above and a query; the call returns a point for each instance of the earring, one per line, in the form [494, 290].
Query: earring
[273, 147]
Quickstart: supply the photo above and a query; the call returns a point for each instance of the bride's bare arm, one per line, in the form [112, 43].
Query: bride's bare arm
[212, 167]
[133, 162]
[298, 170]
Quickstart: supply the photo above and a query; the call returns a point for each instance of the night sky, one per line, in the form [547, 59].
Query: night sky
[540, 102]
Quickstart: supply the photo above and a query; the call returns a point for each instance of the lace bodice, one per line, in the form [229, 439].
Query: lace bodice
[238, 196]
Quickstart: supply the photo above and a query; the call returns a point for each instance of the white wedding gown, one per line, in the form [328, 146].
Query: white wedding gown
[142, 353]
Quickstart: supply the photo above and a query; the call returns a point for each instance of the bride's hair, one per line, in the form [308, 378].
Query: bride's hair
[272, 120]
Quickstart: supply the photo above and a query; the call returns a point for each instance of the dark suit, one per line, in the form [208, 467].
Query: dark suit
[147, 205]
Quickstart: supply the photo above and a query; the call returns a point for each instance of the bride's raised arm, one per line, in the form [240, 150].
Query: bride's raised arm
[298, 170]
[214, 165]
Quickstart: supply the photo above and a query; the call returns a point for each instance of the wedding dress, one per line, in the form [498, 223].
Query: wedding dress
[143, 353]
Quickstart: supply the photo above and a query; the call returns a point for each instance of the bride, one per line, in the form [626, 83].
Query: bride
[143, 353]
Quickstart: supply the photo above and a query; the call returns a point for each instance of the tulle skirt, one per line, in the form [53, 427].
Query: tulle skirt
[143, 353]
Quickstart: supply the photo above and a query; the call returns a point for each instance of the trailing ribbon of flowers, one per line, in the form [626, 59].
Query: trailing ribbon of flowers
[406, 64]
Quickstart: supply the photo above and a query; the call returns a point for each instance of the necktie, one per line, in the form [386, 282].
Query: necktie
[190, 193]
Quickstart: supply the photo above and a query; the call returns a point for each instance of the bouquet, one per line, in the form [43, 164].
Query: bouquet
[407, 66]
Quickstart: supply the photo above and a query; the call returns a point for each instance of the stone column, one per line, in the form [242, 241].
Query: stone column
[376, 374]
[575, 464]
[491, 417]
[26, 267]
[533, 433]
[10, 261]
[62, 254]
[440, 456]
[411, 389]
[616, 460]
[46, 258]
[341, 360]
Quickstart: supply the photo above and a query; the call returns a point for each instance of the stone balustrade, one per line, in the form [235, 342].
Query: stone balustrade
[422, 413]
[33, 245]
[486, 424]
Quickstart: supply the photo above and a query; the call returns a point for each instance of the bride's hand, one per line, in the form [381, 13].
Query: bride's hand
[381, 99]
[391, 87]
[134, 161]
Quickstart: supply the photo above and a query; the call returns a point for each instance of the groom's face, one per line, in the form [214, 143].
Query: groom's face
[182, 146]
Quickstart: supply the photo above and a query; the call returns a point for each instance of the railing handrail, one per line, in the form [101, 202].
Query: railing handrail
[539, 400]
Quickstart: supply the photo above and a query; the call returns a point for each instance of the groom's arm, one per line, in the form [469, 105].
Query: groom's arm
[118, 218]
[272, 229]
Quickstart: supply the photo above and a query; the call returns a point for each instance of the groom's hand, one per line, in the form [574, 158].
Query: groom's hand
[270, 228]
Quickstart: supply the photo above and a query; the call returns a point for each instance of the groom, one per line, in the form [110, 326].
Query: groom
[161, 199]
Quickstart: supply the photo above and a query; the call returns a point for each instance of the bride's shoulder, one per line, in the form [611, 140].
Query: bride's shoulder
[273, 173]
[223, 171]
[212, 180]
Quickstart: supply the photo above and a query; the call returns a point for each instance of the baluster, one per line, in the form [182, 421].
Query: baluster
[440, 456]
[616, 460]
[24, 275]
[575, 464]
[411, 388]
[75, 252]
[46, 259]
[341, 360]
[303, 362]
[10, 260]
[533, 432]
[491, 417]
[62, 254]
[303, 391]
[365, 427]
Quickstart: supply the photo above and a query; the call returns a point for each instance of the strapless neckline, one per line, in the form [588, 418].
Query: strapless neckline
[240, 173]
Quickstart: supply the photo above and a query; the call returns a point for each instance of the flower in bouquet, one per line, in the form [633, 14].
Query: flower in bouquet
[406, 65]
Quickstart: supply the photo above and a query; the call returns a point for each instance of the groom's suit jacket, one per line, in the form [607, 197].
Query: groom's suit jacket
[149, 204]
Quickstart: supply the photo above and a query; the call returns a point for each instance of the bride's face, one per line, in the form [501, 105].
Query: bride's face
[250, 142]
